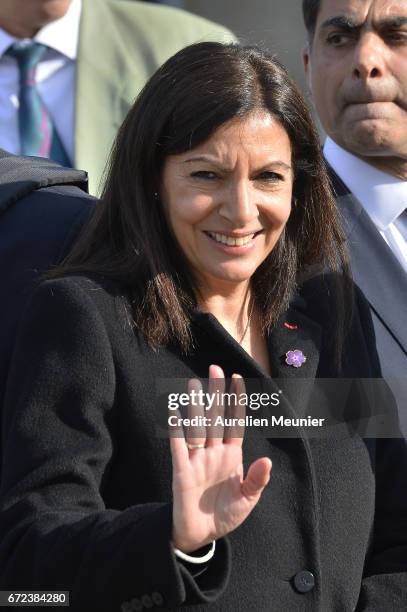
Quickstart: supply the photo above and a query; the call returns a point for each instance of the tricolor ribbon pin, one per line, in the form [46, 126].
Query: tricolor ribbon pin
[288, 326]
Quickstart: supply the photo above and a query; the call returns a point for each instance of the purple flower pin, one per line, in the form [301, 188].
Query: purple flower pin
[295, 358]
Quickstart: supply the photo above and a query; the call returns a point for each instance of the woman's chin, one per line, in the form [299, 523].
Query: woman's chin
[230, 276]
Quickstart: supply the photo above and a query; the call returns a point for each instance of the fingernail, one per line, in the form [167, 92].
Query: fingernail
[216, 371]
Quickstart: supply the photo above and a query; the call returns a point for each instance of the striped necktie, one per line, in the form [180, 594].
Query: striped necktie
[38, 135]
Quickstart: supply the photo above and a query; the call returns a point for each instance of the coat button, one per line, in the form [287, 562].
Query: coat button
[304, 581]
[147, 601]
[137, 606]
[157, 598]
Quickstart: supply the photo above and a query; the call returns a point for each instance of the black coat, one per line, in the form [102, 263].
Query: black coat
[86, 489]
[42, 208]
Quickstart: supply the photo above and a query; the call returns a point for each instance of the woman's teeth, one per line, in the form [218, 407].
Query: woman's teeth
[231, 241]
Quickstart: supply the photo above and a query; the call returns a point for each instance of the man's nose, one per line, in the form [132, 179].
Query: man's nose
[368, 59]
[239, 205]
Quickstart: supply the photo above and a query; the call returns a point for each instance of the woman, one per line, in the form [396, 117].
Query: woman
[216, 205]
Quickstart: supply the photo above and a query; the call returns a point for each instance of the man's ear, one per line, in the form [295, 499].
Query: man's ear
[307, 66]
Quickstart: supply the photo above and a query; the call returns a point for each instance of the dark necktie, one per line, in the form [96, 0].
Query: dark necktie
[38, 135]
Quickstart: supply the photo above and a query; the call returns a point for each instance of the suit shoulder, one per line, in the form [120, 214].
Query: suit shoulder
[60, 201]
[174, 23]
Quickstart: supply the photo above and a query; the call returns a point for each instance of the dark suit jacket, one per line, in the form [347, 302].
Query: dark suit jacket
[42, 207]
[86, 492]
[383, 281]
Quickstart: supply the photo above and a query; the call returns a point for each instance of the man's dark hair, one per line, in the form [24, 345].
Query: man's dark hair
[310, 10]
[194, 93]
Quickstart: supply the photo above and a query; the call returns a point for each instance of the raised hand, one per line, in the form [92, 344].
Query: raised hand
[211, 497]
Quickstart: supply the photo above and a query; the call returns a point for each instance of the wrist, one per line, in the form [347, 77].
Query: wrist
[188, 546]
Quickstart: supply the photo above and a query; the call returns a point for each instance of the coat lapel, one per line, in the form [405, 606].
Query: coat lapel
[375, 269]
[295, 331]
[305, 335]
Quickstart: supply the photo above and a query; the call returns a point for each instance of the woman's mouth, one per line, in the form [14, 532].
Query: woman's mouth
[233, 241]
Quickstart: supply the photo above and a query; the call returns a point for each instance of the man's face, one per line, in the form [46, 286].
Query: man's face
[25, 17]
[357, 72]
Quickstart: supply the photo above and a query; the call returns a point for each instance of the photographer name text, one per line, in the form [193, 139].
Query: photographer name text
[247, 421]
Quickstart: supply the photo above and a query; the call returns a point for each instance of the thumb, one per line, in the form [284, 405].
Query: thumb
[257, 478]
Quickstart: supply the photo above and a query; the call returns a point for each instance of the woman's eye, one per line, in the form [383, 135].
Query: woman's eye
[204, 174]
[270, 177]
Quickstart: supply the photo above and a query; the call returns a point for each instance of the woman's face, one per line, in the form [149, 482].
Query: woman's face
[228, 200]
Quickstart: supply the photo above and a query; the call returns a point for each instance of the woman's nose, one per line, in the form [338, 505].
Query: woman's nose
[238, 204]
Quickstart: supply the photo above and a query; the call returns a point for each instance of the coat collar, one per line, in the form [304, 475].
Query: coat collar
[294, 330]
[20, 175]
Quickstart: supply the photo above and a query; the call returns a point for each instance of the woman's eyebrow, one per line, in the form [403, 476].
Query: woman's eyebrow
[278, 163]
[204, 158]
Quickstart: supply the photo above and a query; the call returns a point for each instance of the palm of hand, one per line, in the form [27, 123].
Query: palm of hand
[211, 498]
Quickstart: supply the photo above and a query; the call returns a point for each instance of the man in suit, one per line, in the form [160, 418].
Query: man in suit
[42, 208]
[356, 66]
[98, 55]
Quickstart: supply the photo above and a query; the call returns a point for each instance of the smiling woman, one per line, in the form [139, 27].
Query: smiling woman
[206, 248]
[222, 152]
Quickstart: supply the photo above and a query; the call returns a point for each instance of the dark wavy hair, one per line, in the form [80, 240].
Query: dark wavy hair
[310, 10]
[185, 101]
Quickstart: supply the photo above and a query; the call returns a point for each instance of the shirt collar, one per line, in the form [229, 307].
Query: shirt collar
[384, 197]
[5, 41]
[61, 35]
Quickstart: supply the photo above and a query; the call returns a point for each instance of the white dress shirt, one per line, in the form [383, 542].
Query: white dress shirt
[384, 197]
[55, 78]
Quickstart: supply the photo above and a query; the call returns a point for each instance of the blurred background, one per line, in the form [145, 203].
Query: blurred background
[276, 24]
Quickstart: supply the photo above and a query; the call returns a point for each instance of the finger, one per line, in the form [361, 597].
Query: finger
[216, 389]
[258, 476]
[179, 450]
[195, 432]
[234, 433]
